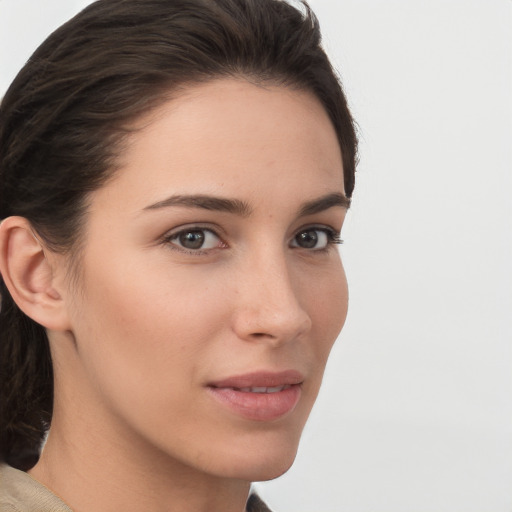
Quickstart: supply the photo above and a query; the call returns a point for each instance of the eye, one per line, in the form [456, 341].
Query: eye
[195, 239]
[315, 239]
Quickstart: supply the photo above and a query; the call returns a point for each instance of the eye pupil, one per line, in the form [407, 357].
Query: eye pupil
[307, 239]
[192, 239]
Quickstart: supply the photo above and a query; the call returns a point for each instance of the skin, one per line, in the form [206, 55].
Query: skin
[152, 323]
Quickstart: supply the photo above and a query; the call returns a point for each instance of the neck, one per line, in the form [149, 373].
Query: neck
[92, 482]
[109, 469]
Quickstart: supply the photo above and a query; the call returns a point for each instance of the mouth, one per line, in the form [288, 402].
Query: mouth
[261, 396]
[275, 389]
[261, 381]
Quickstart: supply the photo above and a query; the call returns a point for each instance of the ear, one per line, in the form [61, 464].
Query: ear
[29, 274]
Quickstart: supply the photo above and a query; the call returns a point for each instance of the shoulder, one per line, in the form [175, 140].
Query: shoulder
[19, 492]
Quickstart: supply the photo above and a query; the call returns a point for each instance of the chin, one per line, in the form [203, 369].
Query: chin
[261, 452]
[261, 470]
[264, 459]
[272, 470]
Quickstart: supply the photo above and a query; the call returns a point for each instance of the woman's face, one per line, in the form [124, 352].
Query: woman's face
[211, 291]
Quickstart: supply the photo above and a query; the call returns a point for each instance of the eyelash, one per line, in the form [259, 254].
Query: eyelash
[333, 238]
[171, 237]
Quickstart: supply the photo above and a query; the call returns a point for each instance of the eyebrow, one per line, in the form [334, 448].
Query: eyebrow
[324, 203]
[238, 207]
[205, 202]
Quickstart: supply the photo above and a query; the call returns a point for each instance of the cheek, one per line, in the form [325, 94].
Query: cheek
[144, 344]
[161, 323]
[327, 297]
[327, 303]
[155, 331]
[151, 322]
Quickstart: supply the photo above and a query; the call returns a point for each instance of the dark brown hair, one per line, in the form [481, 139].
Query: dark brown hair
[62, 123]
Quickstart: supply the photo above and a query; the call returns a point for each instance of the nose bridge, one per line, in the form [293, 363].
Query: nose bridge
[270, 305]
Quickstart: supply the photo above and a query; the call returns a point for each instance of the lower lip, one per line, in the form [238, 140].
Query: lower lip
[258, 406]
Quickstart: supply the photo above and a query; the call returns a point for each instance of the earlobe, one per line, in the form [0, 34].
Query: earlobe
[29, 275]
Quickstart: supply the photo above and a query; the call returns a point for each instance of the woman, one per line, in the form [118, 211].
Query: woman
[174, 178]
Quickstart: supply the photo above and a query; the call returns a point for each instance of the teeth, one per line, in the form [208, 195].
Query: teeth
[259, 390]
[275, 389]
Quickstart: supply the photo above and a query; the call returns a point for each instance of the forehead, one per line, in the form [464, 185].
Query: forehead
[233, 136]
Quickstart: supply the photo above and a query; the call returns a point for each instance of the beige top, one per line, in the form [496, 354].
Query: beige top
[19, 492]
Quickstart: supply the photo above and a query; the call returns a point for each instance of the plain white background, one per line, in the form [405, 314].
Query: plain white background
[416, 409]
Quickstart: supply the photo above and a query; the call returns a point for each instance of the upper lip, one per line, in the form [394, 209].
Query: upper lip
[263, 379]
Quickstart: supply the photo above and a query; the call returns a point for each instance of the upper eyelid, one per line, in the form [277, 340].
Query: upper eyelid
[193, 226]
[221, 232]
[223, 236]
[170, 236]
[319, 226]
[333, 234]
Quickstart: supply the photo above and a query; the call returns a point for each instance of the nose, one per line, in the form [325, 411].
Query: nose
[269, 306]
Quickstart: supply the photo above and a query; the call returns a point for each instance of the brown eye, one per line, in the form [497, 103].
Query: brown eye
[195, 239]
[315, 239]
[192, 239]
[307, 239]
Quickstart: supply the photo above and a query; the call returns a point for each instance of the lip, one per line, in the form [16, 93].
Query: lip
[264, 379]
[256, 396]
